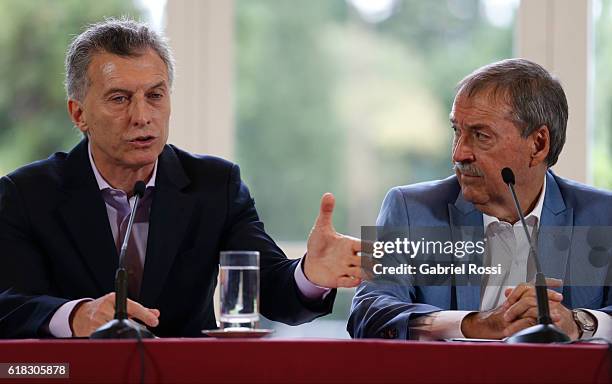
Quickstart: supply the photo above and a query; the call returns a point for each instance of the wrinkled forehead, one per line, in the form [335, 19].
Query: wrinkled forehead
[488, 101]
[107, 67]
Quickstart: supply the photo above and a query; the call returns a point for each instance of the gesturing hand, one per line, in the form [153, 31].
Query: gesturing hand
[90, 315]
[331, 259]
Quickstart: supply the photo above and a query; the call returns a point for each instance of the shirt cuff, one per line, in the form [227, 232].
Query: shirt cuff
[59, 326]
[309, 290]
[437, 325]
[604, 324]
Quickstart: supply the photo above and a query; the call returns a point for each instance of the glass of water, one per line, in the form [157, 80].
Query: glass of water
[239, 287]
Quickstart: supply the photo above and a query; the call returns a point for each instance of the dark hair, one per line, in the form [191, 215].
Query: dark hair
[534, 96]
[123, 37]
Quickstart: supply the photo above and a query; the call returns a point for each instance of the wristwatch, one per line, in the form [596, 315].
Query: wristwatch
[587, 323]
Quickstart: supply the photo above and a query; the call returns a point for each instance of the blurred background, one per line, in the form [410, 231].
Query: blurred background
[346, 96]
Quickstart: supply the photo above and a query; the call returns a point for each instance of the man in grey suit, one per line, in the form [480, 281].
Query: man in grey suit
[511, 113]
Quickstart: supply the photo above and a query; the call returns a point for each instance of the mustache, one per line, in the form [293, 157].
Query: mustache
[467, 169]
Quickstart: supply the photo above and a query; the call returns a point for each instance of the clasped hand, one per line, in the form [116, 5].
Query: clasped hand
[519, 311]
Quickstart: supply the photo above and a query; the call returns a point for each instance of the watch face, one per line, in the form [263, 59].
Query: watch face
[585, 320]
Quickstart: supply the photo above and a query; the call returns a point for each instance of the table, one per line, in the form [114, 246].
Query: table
[282, 361]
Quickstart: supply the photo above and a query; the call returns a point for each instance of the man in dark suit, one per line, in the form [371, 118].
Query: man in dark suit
[513, 114]
[62, 219]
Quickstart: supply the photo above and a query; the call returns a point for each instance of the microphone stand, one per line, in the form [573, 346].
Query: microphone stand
[545, 331]
[121, 327]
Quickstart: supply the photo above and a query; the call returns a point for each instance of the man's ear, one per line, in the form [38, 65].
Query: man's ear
[540, 145]
[75, 110]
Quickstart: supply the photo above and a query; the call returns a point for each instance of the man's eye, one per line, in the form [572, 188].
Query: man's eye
[481, 136]
[119, 99]
[156, 96]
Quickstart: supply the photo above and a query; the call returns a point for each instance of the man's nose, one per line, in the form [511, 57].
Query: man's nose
[462, 151]
[140, 112]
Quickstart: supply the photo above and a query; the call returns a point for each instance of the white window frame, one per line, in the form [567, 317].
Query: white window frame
[201, 34]
[555, 33]
[558, 35]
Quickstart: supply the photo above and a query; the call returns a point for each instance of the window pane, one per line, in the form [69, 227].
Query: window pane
[352, 97]
[602, 146]
[329, 101]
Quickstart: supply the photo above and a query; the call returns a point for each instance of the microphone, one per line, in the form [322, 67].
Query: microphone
[544, 331]
[121, 327]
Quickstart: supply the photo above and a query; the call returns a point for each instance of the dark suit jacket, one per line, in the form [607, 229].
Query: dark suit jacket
[383, 307]
[56, 244]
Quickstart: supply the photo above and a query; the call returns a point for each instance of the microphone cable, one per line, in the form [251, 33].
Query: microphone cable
[141, 353]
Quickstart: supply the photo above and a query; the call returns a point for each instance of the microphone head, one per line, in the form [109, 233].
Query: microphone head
[139, 188]
[507, 175]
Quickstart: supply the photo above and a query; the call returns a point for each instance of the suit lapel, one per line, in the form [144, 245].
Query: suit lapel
[556, 229]
[170, 212]
[84, 215]
[466, 225]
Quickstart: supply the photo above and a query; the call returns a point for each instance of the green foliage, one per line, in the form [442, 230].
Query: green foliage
[287, 137]
[328, 102]
[34, 36]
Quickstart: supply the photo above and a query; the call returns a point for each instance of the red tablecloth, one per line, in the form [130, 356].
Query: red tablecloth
[281, 361]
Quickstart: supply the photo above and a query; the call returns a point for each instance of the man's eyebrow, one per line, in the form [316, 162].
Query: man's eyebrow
[477, 126]
[123, 90]
[158, 85]
[117, 90]
[471, 127]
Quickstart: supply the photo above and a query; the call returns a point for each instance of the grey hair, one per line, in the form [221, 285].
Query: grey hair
[534, 96]
[123, 37]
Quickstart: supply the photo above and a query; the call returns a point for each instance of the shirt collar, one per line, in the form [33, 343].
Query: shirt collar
[103, 184]
[536, 212]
